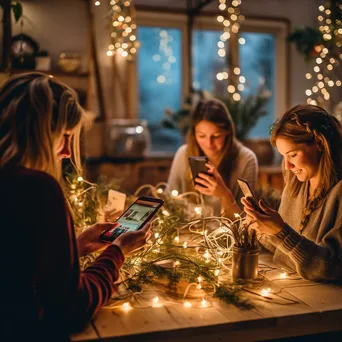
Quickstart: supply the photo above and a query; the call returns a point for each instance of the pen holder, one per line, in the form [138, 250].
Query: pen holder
[245, 263]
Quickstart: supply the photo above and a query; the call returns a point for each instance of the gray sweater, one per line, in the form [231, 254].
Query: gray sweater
[316, 253]
[246, 167]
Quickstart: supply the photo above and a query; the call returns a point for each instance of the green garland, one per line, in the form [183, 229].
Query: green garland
[144, 266]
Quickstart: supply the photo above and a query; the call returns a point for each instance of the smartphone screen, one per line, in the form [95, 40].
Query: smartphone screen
[197, 165]
[134, 217]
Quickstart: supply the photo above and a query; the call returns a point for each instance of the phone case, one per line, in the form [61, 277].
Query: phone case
[248, 193]
[197, 165]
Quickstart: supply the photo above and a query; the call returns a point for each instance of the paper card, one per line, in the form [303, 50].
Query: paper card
[115, 202]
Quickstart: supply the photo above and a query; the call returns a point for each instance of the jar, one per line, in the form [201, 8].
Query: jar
[69, 62]
[127, 138]
[245, 263]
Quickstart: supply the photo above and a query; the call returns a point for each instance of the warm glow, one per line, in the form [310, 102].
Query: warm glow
[126, 306]
[265, 292]
[187, 305]
[174, 193]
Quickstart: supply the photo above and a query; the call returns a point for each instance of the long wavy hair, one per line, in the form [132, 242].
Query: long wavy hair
[35, 110]
[310, 125]
[216, 112]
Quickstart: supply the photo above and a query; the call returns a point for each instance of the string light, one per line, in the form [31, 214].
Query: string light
[231, 25]
[283, 275]
[187, 305]
[174, 193]
[123, 29]
[329, 52]
[126, 306]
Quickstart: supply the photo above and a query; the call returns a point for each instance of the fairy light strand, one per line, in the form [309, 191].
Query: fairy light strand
[122, 29]
[230, 19]
[329, 54]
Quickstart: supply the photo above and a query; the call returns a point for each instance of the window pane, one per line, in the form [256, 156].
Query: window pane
[206, 62]
[257, 61]
[160, 82]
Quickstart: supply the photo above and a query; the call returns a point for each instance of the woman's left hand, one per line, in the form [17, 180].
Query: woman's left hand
[211, 184]
[271, 223]
[88, 241]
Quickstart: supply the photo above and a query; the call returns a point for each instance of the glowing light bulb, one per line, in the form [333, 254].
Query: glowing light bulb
[198, 210]
[185, 244]
[156, 235]
[126, 306]
[199, 279]
[283, 275]
[187, 305]
[236, 215]
[156, 302]
[174, 193]
[165, 213]
[160, 190]
[217, 272]
[97, 3]
[204, 303]
[176, 239]
[264, 292]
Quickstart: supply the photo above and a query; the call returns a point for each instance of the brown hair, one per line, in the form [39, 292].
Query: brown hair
[214, 111]
[35, 109]
[313, 125]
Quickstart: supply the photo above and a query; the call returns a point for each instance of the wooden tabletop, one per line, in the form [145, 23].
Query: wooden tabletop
[297, 307]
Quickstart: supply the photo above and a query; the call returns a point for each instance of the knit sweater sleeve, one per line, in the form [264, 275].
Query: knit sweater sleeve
[65, 293]
[319, 259]
[177, 176]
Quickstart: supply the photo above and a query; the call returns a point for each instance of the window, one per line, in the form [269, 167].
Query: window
[163, 84]
[257, 61]
[206, 63]
[160, 82]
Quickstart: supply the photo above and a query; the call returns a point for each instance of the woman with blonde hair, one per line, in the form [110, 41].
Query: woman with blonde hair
[212, 134]
[306, 234]
[45, 297]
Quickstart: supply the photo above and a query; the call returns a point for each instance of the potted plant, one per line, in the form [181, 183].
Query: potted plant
[245, 114]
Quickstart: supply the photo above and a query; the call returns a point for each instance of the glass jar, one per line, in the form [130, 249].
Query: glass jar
[127, 138]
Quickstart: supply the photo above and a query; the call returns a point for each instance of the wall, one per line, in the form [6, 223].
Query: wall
[61, 26]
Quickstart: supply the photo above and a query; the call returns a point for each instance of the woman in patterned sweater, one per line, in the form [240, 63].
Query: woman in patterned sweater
[306, 234]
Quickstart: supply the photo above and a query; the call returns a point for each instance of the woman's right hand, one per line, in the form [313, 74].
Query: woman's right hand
[130, 241]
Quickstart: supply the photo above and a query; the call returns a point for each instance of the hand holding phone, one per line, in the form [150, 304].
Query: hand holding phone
[134, 218]
[197, 165]
[248, 193]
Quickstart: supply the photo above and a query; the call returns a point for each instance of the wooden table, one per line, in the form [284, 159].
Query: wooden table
[316, 308]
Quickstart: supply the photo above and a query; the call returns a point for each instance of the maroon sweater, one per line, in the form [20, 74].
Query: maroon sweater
[44, 294]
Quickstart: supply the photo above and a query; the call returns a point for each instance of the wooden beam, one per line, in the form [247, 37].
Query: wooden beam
[7, 36]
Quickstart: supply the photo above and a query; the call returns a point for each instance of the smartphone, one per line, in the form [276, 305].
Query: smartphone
[248, 193]
[197, 165]
[134, 218]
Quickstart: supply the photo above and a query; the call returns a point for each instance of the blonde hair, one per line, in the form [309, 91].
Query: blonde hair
[35, 110]
[313, 125]
[216, 112]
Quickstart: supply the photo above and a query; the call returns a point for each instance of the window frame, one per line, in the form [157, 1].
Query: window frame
[279, 27]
